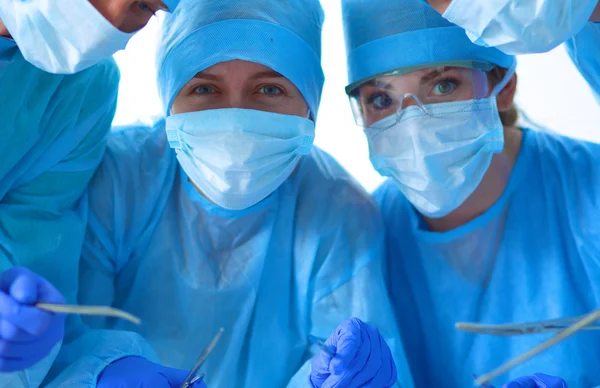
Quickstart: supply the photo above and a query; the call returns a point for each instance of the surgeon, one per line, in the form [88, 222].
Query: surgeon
[53, 130]
[225, 215]
[486, 221]
[67, 36]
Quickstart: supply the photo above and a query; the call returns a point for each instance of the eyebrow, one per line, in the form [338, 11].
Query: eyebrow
[380, 84]
[431, 75]
[266, 74]
[207, 76]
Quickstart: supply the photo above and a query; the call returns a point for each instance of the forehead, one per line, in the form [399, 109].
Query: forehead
[238, 69]
[426, 74]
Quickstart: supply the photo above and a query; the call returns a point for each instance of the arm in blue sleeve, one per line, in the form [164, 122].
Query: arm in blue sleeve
[87, 351]
[57, 143]
[363, 296]
[583, 50]
[45, 202]
[350, 282]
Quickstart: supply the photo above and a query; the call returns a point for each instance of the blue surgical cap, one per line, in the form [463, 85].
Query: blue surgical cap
[171, 4]
[387, 35]
[284, 35]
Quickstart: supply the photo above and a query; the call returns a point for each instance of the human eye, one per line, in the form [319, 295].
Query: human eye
[444, 87]
[145, 7]
[203, 89]
[379, 101]
[270, 90]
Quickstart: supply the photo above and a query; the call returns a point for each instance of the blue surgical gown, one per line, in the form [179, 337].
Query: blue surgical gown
[297, 263]
[52, 138]
[584, 50]
[534, 255]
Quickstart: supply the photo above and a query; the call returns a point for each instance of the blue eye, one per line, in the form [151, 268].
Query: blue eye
[380, 101]
[270, 90]
[204, 90]
[444, 87]
[145, 7]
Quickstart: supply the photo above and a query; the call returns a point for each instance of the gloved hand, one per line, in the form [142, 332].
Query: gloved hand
[537, 380]
[362, 358]
[137, 372]
[27, 334]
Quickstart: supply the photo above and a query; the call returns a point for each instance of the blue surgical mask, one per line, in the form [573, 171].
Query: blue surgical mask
[238, 157]
[438, 158]
[520, 26]
[61, 37]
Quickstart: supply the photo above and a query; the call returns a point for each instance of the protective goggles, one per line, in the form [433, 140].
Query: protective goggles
[379, 102]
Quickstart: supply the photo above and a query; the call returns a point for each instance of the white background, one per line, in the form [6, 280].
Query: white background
[550, 91]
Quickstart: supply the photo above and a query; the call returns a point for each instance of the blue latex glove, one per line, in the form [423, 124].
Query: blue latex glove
[137, 372]
[27, 334]
[538, 380]
[362, 358]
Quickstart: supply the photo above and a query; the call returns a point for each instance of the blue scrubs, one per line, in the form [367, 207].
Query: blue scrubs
[534, 255]
[297, 263]
[52, 131]
[583, 50]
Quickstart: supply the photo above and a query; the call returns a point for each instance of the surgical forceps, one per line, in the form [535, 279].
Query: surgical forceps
[565, 327]
[191, 377]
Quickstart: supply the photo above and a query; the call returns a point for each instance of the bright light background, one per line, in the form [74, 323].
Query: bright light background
[550, 91]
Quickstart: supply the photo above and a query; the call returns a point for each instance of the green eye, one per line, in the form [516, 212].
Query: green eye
[444, 87]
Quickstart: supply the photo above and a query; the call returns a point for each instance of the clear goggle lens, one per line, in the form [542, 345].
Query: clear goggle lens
[376, 100]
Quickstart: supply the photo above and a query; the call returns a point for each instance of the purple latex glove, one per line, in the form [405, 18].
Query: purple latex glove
[538, 380]
[27, 334]
[137, 372]
[362, 359]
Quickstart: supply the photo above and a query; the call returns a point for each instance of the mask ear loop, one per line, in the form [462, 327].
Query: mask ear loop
[502, 84]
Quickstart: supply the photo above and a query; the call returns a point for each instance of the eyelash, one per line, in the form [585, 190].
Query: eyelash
[146, 8]
[445, 78]
[196, 87]
[373, 96]
[281, 90]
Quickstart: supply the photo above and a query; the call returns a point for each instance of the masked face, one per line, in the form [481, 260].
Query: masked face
[51, 35]
[434, 131]
[129, 15]
[239, 130]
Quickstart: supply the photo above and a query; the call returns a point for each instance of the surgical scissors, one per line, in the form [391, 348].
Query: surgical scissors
[191, 377]
[584, 322]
